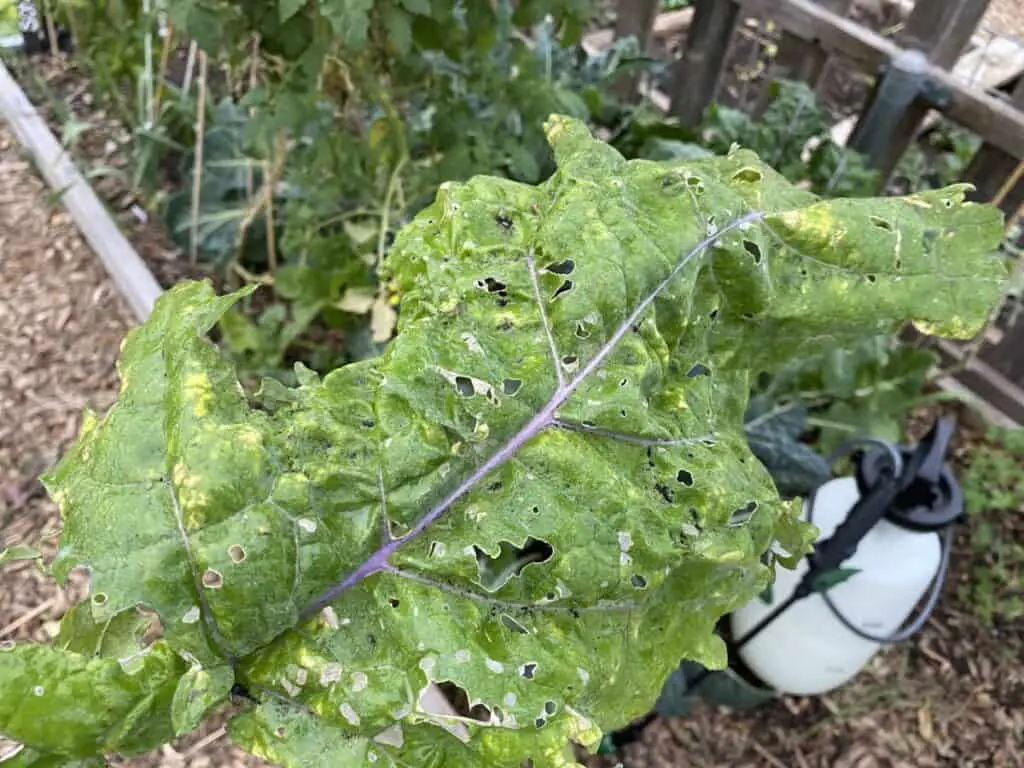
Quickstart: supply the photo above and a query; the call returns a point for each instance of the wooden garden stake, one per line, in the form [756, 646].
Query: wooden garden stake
[197, 164]
[1010, 183]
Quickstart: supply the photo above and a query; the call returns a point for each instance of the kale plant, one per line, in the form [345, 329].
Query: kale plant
[540, 495]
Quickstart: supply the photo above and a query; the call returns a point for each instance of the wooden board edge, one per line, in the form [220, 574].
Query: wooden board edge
[126, 268]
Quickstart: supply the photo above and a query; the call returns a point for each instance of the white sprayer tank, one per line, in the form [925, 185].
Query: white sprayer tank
[806, 650]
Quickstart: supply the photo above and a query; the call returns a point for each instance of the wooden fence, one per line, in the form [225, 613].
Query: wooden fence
[812, 32]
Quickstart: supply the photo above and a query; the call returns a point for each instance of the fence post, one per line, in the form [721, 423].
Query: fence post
[634, 18]
[990, 165]
[941, 29]
[696, 74]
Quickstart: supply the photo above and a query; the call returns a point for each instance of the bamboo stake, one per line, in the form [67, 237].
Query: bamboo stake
[197, 165]
[165, 57]
[190, 65]
[1010, 183]
[51, 28]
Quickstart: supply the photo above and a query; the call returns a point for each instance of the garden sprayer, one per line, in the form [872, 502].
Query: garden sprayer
[884, 539]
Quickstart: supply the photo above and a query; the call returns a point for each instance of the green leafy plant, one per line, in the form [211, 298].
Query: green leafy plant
[993, 484]
[792, 135]
[864, 388]
[569, 379]
[362, 110]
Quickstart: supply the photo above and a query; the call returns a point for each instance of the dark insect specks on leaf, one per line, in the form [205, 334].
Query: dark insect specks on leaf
[639, 582]
[394, 602]
[368, 423]
[503, 221]
[505, 325]
[666, 494]
[713, 315]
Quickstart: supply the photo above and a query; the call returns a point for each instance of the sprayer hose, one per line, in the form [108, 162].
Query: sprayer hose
[940, 575]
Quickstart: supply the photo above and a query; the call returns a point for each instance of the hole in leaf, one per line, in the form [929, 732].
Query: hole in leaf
[561, 267]
[899, 263]
[684, 477]
[496, 486]
[878, 221]
[367, 424]
[465, 386]
[394, 602]
[948, 203]
[495, 572]
[436, 549]
[749, 175]
[623, 382]
[581, 332]
[459, 700]
[100, 598]
[212, 580]
[513, 625]
[528, 670]
[639, 582]
[713, 315]
[699, 369]
[503, 221]
[539, 722]
[536, 510]
[928, 238]
[236, 553]
[569, 360]
[753, 249]
[694, 181]
[564, 288]
[494, 286]
[511, 386]
[666, 494]
[550, 708]
[622, 413]
[872, 278]
[505, 325]
[281, 732]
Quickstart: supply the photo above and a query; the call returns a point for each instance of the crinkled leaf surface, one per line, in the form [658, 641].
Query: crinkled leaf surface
[62, 703]
[565, 396]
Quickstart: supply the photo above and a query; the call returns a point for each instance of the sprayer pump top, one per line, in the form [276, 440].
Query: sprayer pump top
[929, 497]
